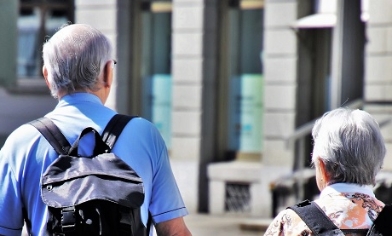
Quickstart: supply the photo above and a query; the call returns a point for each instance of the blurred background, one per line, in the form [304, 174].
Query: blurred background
[234, 87]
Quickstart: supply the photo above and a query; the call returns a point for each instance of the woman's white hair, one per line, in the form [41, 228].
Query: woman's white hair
[74, 58]
[350, 144]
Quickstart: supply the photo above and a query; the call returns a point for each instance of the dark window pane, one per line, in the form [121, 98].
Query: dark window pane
[26, 12]
[28, 30]
[58, 13]
[53, 23]
[250, 43]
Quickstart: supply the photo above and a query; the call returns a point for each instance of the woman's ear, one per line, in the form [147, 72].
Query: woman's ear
[323, 170]
[45, 74]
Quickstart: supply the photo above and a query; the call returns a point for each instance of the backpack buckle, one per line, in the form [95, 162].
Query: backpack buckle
[68, 220]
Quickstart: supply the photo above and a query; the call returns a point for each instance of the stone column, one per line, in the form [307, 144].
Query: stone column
[378, 70]
[194, 77]
[280, 63]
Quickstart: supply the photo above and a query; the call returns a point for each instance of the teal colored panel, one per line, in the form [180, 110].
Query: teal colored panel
[245, 113]
[162, 104]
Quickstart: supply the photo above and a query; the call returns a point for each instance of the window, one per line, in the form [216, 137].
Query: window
[245, 77]
[156, 65]
[37, 21]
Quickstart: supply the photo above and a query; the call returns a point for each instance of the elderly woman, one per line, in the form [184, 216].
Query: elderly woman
[348, 153]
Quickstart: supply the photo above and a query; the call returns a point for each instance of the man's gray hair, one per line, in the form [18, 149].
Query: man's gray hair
[350, 144]
[74, 58]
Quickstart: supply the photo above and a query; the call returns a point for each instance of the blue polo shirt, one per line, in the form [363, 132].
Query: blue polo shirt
[26, 155]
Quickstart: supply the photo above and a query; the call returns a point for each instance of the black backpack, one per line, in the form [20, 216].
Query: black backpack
[321, 225]
[96, 195]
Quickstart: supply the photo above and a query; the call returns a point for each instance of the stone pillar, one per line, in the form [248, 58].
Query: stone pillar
[280, 62]
[194, 77]
[378, 72]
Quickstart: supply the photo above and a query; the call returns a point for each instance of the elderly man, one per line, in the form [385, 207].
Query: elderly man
[78, 69]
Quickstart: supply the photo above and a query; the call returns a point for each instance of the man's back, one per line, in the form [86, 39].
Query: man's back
[27, 154]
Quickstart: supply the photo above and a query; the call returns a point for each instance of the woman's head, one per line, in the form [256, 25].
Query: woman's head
[74, 58]
[350, 146]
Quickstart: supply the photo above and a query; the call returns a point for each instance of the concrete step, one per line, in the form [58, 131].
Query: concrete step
[225, 225]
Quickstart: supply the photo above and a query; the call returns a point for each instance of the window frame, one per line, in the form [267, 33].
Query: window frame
[36, 84]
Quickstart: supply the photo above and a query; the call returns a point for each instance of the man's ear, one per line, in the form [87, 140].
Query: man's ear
[108, 74]
[45, 74]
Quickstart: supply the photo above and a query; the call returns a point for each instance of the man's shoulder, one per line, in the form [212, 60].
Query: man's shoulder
[20, 140]
[140, 124]
[24, 132]
[140, 135]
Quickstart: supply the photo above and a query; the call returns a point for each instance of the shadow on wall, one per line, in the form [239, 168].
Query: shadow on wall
[2, 140]
[20, 107]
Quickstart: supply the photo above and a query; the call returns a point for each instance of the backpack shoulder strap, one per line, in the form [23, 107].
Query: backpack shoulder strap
[382, 225]
[315, 218]
[114, 128]
[110, 134]
[52, 134]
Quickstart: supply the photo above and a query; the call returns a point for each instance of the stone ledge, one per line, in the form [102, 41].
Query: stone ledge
[238, 171]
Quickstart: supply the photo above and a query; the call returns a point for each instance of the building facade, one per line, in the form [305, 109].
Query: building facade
[229, 83]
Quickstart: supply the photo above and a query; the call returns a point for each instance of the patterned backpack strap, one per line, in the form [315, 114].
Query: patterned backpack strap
[52, 134]
[315, 219]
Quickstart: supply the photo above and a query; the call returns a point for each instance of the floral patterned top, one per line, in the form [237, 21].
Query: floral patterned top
[349, 206]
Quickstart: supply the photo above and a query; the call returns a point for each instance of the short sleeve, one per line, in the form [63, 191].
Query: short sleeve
[10, 196]
[166, 201]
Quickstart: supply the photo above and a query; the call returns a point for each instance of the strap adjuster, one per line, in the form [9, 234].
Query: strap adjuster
[68, 220]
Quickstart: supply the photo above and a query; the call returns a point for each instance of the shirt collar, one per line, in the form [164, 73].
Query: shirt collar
[347, 188]
[79, 97]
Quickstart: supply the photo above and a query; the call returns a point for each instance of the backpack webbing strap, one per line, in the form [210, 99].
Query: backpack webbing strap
[149, 223]
[52, 134]
[110, 134]
[114, 127]
[315, 218]
[320, 224]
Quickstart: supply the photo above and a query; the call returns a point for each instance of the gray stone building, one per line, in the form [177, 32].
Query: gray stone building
[229, 83]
